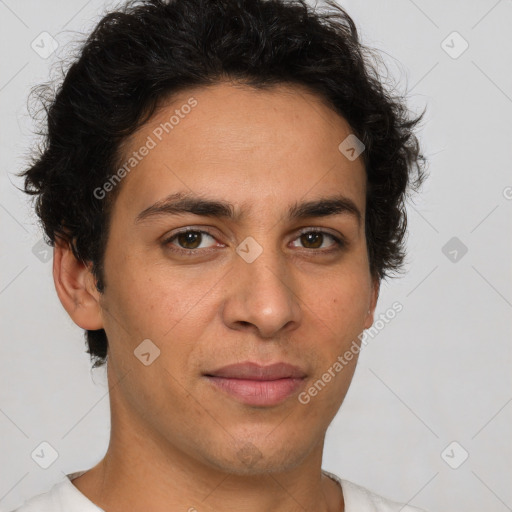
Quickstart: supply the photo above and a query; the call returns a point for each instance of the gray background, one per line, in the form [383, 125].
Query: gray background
[437, 374]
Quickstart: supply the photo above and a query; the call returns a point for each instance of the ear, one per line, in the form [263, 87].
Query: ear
[373, 303]
[76, 287]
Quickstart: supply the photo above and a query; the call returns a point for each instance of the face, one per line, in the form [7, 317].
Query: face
[262, 280]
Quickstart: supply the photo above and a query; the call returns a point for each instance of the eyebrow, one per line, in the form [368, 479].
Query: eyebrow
[183, 203]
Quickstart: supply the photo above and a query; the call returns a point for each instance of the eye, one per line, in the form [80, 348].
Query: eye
[189, 240]
[314, 239]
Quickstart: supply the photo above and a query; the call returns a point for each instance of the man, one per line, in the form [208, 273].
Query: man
[223, 183]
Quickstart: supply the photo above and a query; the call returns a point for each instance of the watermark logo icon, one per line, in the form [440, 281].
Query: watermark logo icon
[44, 455]
[454, 250]
[454, 455]
[249, 454]
[146, 352]
[44, 45]
[249, 249]
[454, 45]
[42, 251]
[351, 147]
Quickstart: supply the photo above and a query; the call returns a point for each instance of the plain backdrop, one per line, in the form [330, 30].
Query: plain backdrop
[428, 417]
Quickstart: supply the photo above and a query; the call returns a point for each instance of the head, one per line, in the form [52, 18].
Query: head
[228, 120]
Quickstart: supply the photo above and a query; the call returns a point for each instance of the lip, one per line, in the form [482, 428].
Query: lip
[255, 371]
[257, 385]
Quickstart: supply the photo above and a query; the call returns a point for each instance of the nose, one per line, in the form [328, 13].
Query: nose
[261, 296]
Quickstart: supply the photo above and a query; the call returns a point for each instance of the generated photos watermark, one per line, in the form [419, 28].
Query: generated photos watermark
[343, 360]
[151, 142]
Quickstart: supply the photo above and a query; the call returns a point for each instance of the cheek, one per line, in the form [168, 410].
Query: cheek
[149, 301]
[147, 294]
[343, 303]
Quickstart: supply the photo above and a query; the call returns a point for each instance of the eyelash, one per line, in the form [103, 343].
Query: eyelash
[338, 241]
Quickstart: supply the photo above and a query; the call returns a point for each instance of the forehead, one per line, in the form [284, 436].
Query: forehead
[237, 142]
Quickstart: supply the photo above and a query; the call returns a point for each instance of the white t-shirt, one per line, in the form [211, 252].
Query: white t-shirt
[65, 497]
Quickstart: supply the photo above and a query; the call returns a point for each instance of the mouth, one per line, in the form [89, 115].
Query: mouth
[256, 385]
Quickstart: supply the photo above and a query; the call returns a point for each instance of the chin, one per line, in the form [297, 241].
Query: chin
[248, 458]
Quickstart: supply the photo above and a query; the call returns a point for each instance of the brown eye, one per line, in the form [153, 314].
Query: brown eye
[188, 240]
[315, 239]
[312, 240]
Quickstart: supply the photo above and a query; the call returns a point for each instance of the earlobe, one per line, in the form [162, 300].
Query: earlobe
[373, 303]
[75, 287]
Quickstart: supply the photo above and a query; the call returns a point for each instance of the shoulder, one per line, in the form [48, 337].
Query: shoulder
[44, 502]
[360, 499]
[62, 497]
[357, 497]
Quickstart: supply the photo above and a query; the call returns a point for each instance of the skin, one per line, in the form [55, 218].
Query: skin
[175, 439]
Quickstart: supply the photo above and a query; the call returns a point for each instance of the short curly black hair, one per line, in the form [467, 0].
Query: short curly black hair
[146, 51]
